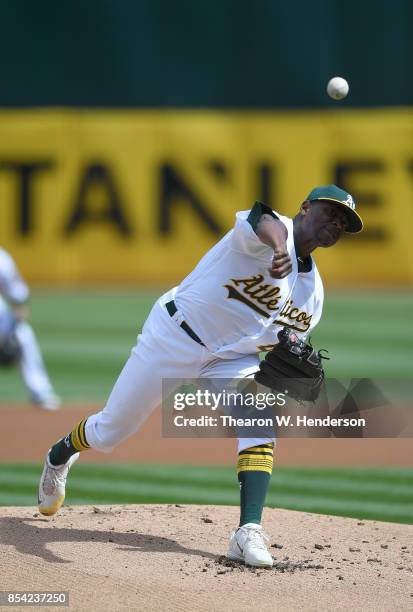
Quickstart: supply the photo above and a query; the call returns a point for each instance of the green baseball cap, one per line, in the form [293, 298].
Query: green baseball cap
[335, 195]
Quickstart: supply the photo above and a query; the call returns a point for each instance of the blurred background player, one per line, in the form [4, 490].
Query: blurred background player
[18, 343]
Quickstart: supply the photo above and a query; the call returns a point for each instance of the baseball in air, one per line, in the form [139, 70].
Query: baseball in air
[337, 88]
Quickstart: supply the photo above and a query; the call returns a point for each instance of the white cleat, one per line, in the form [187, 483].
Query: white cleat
[248, 544]
[52, 485]
[49, 402]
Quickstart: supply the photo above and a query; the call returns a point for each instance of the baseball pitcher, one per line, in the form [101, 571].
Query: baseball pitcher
[257, 281]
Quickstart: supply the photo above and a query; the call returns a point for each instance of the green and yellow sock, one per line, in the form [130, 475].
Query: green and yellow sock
[254, 474]
[71, 444]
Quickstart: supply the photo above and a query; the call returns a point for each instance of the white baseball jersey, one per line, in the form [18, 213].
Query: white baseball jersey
[12, 286]
[235, 306]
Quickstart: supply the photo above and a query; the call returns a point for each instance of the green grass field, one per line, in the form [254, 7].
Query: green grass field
[379, 494]
[86, 336]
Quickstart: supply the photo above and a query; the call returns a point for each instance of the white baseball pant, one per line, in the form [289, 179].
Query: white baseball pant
[163, 350]
[31, 364]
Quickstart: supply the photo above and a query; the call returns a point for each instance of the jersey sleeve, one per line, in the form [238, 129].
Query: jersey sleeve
[12, 286]
[244, 238]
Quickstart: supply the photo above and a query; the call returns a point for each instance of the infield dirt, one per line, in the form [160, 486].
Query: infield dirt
[170, 558]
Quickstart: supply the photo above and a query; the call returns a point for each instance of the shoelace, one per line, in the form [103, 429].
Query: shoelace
[258, 538]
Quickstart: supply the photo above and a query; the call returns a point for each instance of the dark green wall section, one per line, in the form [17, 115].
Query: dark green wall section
[201, 53]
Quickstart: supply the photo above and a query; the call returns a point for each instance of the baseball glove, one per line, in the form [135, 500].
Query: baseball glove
[293, 366]
[10, 351]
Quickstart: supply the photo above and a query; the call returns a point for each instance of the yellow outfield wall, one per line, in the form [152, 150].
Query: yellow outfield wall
[139, 196]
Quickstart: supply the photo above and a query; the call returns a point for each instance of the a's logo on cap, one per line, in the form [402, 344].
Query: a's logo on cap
[350, 202]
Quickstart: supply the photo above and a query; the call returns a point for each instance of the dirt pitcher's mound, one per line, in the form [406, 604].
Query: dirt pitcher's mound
[169, 558]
